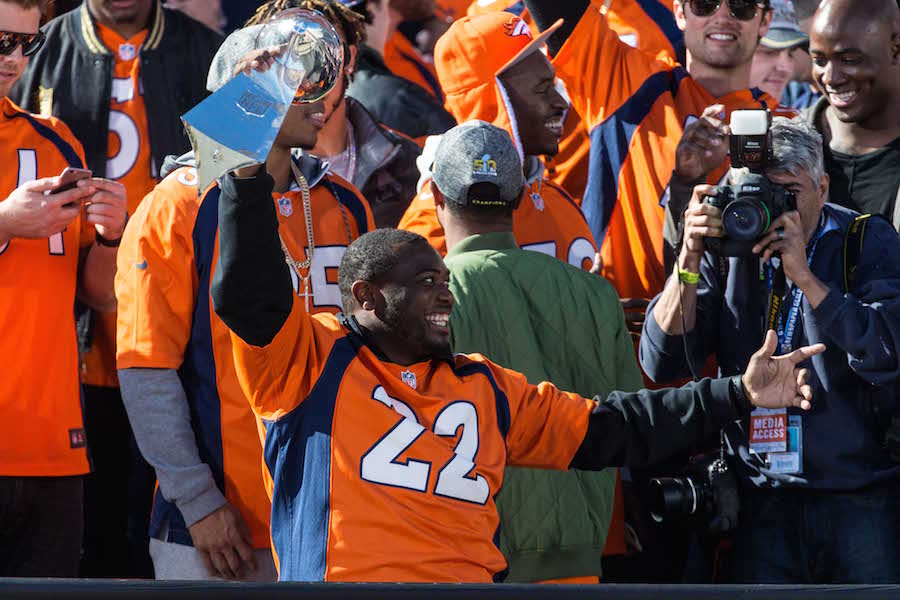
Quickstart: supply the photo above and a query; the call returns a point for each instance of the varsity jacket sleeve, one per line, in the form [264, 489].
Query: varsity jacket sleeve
[158, 411]
[642, 428]
[251, 289]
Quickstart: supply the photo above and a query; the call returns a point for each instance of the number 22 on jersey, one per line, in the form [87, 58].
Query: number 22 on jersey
[381, 464]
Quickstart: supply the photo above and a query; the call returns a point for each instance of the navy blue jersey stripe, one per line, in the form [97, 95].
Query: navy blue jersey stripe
[349, 199]
[198, 372]
[610, 143]
[665, 20]
[66, 149]
[430, 79]
[517, 9]
[298, 455]
[500, 399]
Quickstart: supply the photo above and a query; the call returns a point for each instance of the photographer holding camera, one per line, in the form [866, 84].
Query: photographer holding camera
[818, 491]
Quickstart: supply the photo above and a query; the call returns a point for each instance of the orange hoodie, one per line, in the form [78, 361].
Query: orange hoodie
[468, 58]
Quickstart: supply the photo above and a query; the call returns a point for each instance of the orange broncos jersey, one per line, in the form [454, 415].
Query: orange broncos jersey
[128, 162]
[166, 321]
[41, 429]
[647, 25]
[636, 108]
[384, 472]
[553, 225]
[404, 60]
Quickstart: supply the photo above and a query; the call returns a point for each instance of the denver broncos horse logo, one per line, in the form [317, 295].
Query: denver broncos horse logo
[516, 27]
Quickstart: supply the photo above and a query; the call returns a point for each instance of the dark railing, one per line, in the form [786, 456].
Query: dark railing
[94, 589]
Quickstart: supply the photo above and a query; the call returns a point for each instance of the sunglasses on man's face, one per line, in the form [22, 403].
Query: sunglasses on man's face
[31, 42]
[743, 10]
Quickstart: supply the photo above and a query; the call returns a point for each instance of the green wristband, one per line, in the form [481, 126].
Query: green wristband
[687, 276]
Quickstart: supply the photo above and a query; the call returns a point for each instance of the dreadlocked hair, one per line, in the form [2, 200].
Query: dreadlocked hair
[349, 23]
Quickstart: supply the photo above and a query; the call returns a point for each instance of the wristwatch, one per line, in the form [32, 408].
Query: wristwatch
[105, 242]
[111, 243]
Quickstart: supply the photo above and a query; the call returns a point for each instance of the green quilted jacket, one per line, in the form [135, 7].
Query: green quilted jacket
[553, 322]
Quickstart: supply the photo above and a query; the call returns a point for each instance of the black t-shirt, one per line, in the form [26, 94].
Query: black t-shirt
[867, 183]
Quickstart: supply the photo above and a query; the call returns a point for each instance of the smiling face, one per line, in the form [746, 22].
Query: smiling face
[14, 18]
[772, 69]
[539, 108]
[856, 63]
[720, 40]
[417, 301]
[301, 125]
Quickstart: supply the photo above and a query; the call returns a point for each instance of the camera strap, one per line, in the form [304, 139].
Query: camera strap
[777, 284]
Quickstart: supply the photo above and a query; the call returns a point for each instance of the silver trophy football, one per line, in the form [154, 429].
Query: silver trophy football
[236, 126]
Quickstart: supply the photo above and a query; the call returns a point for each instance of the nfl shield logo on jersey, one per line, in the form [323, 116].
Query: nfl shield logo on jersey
[127, 51]
[285, 207]
[409, 378]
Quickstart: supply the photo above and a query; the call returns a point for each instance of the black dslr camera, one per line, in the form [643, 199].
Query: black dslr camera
[708, 489]
[750, 206]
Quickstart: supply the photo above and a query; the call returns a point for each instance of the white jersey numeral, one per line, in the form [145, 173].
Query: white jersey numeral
[27, 173]
[324, 294]
[453, 479]
[125, 129]
[380, 463]
[580, 249]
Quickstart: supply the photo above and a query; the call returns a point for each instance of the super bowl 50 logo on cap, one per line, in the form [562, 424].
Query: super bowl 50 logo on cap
[517, 27]
[485, 166]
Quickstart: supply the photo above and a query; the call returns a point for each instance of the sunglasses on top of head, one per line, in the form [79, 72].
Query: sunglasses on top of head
[31, 42]
[743, 10]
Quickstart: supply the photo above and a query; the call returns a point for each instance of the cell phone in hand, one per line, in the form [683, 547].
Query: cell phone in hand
[68, 180]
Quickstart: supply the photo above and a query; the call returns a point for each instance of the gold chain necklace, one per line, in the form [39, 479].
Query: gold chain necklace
[307, 215]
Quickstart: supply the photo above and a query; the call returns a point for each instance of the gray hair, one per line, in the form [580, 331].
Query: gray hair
[797, 148]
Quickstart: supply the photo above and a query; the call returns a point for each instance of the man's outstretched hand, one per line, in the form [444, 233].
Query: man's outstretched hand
[774, 381]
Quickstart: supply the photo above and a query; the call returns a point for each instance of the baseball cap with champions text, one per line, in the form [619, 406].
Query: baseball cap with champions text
[476, 164]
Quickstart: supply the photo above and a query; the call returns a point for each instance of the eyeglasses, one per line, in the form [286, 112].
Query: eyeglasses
[31, 42]
[743, 10]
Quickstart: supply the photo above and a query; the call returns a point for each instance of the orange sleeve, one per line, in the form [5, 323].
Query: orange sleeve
[156, 282]
[421, 217]
[546, 425]
[276, 378]
[601, 72]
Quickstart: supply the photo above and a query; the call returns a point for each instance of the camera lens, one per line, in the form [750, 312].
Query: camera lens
[745, 219]
[672, 495]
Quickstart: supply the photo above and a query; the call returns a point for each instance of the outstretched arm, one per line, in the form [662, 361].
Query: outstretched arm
[645, 427]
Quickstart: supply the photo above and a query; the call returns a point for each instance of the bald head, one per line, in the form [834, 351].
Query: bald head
[840, 14]
[855, 49]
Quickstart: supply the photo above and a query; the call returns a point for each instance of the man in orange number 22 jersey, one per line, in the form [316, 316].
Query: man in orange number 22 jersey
[384, 451]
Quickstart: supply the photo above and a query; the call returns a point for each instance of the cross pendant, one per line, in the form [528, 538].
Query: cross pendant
[307, 293]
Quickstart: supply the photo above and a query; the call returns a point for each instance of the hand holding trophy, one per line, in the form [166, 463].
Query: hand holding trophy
[256, 75]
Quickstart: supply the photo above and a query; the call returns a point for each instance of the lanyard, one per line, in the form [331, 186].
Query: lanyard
[776, 282]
